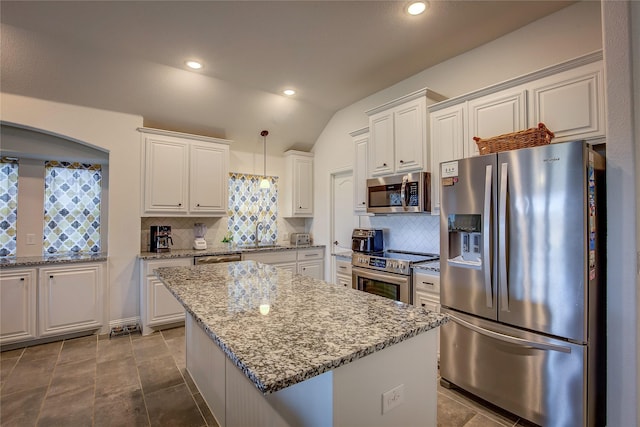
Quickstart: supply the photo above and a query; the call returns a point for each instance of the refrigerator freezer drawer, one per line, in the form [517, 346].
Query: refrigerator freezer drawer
[536, 377]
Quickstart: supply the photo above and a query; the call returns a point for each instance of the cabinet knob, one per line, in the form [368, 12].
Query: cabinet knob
[179, 204]
[364, 203]
[423, 304]
[22, 279]
[401, 161]
[51, 277]
[299, 207]
[198, 204]
[384, 164]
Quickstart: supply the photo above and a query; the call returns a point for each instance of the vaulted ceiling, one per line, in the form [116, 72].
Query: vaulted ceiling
[129, 56]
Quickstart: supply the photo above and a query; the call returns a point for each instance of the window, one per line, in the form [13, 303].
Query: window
[72, 193]
[250, 205]
[8, 205]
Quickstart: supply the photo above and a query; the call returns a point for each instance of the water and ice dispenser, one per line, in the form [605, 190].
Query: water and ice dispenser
[465, 239]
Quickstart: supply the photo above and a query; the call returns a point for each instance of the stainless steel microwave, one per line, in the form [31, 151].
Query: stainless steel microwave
[408, 193]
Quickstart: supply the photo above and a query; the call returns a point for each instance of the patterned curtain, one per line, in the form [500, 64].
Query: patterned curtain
[8, 206]
[72, 193]
[248, 205]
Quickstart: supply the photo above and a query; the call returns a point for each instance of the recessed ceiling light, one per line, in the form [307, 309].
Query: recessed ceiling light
[289, 92]
[416, 8]
[194, 65]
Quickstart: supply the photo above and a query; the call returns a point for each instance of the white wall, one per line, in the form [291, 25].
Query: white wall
[117, 134]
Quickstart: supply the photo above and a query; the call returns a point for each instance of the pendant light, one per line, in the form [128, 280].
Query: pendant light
[264, 183]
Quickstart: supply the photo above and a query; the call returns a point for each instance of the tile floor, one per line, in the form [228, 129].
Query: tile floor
[141, 381]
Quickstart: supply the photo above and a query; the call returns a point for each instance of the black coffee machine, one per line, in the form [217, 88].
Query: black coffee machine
[160, 238]
[367, 240]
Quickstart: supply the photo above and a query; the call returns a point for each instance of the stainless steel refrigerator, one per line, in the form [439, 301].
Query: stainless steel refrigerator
[522, 275]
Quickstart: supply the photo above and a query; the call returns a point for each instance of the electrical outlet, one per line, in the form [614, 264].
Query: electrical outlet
[392, 398]
[31, 239]
[285, 236]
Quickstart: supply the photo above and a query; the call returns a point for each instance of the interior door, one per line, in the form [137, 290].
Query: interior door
[467, 236]
[343, 220]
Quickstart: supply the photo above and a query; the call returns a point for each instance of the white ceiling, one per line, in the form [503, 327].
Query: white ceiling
[128, 56]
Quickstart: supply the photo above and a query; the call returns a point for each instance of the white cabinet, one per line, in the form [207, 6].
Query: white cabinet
[311, 262]
[297, 194]
[570, 103]
[307, 261]
[360, 171]
[70, 298]
[398, 134]
[496, 114]
[426, 287]
[184, 174]
[447, 143]
[343, 272]
[17, 305]
[158, 307]
[276, 258]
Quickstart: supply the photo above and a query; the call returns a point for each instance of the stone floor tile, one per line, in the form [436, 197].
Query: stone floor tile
[42, 351]
[29, 374]
[78, 349]
[114, 349]
[73, 407]
[159, 373]
[172, 333]
[480, 420]
[6, 367]
[117, 377]
[21, 408]
[205, 411]
[189, 381]
[452, 413]
[81, 367]
[65, 384]
[121, 409]
[479, 405]
[173, 406]
[178, 350]
[149, 347]
[11, 354]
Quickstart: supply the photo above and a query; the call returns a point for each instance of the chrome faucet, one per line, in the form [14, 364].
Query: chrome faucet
[257, 229]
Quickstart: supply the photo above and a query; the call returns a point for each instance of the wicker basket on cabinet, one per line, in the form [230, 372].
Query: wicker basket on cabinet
[510, 141]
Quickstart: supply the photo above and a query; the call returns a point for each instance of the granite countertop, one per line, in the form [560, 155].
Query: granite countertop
[37, 261]
[222, 250]
[432, 267]
[310, 326]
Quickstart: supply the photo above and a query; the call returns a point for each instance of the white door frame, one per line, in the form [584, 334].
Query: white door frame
[332, 178]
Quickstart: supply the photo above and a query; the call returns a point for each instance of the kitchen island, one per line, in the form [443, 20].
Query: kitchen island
[269, 347]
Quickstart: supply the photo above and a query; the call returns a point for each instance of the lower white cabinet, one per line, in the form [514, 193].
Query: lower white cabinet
[343, 272]
[427, 293]
[17, 305]
[308, 261]
[70, 298]
[158, 307]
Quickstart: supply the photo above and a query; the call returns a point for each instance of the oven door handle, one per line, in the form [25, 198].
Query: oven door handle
[388, 278]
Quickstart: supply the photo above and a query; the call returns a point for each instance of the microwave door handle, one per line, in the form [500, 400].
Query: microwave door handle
[403, 197]
[502, 232]
[486, 258]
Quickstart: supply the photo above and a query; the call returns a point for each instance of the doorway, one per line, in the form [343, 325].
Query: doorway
[343, 220]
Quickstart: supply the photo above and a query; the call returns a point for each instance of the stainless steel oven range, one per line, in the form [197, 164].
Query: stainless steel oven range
[388, 273]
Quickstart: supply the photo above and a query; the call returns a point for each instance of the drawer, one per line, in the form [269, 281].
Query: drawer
[427, 301]
[424, 282]
[270, 257]
[150, 265]
[309, 254]
[343, 267]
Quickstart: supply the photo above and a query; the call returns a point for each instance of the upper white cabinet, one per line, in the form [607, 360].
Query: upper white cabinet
[398, 134]
[183, 174]
[570, 103]
[447, 143]
[568, 98]
[70, 298]
[360, 171]
[497, 114]
[18, 305]
[297, 195]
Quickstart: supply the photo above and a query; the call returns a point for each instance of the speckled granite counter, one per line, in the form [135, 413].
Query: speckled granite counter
[309, 326]
[37, 261]
[221, 250]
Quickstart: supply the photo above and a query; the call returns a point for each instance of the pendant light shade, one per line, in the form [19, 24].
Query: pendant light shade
[264, 183]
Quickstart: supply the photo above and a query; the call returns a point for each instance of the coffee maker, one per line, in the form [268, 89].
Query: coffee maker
[160, 238]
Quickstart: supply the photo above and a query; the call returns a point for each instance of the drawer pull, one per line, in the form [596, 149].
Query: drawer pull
[427, 283]
[342, 267]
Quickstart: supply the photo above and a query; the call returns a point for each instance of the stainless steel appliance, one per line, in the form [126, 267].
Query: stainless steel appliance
[160, 238]
[215, 259]
[367, 240]
[386, 274]
[408, 193]
[300, 239]
[522, 279]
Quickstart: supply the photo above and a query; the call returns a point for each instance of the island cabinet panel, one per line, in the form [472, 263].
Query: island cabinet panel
[17, 305]
[70, 299]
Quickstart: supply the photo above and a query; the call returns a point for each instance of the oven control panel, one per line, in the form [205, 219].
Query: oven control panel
[381, 263]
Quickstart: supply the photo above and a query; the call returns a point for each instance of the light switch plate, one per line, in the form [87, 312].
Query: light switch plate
[392, 398]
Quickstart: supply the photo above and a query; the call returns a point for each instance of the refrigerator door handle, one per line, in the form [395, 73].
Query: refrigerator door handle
[509, 339]
[486, 259]
[502, 232]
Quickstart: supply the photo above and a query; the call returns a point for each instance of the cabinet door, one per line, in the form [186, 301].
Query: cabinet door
[166, 178]
[344, 280]
[381, 144]
[571, 103]
[360, 174]
[447, 143]
[410, 135]
[163, 307]
[209, 179]
[70, 299]
[496, 114]
[313, 269]
[18, 305]
[303, 186]
[289, 266]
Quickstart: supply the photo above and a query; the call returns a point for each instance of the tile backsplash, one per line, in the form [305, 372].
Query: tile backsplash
[182, 230]
[407, 232]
